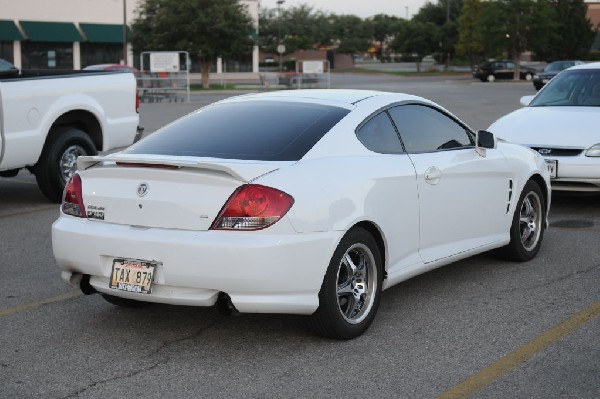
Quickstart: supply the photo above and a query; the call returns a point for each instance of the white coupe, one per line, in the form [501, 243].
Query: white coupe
[303, 202]
[562, 122]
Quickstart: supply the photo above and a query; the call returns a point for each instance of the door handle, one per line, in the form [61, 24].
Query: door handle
[433, 175]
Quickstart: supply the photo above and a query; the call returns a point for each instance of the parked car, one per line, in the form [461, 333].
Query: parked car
[562, 123]
[551, 70]
[306, 202]
[501, 69]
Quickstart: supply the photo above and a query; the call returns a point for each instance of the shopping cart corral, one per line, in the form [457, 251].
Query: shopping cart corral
[159, 86]
[164, 76]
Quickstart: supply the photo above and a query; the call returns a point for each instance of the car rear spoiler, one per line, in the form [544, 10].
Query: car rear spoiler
[243, 171]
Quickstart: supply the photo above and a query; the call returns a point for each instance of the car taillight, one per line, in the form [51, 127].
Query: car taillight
[72, 203]
[253, 207]
[137, 101]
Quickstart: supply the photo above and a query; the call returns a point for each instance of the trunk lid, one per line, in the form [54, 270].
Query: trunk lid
[162, 192]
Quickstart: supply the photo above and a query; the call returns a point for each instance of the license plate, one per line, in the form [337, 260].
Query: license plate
[552, 165]
[132, 275]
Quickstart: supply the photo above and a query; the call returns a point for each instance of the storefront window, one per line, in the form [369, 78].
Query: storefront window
[101, 53]
[6, 51]
[47, 55]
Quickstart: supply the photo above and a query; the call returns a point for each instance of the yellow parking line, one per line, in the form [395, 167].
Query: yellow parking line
[37, 304]
[28, 211]
[484, 377]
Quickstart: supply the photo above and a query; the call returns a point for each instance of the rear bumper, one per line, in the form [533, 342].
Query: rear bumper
[261, 273]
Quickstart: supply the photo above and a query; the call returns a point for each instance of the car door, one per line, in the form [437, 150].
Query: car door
[463, 196]
[392, 198]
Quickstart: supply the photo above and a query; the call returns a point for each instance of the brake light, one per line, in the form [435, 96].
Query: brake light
[137, 101]
[72, 203]
[253, 207]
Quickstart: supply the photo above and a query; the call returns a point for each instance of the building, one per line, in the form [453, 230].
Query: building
[593, 13]
[71, 34]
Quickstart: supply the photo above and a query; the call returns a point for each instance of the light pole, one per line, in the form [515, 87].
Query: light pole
[280, 47]
[124, 32]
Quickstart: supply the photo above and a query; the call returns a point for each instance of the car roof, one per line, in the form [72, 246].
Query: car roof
[345, 97]
[591, 65]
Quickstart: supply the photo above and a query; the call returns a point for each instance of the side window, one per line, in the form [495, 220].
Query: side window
[379, 135]
[424, 129]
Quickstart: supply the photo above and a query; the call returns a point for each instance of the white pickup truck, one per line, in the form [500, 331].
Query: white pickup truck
[49, 118]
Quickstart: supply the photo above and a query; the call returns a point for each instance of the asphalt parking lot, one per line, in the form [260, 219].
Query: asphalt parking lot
[480, 328]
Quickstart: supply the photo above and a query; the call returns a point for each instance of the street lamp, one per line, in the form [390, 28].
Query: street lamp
[280, 46]
[124, 32]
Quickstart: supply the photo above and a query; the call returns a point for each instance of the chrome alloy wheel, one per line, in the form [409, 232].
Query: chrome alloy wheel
[356, 283]
[530, 221]
[68, 161]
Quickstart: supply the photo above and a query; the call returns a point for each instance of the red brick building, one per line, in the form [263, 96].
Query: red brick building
[593, 13]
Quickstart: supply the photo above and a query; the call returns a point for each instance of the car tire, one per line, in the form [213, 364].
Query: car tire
[538, 86]
[123, 302]
[351, 289]
[491, 78]
[528, 225]
[57, 161]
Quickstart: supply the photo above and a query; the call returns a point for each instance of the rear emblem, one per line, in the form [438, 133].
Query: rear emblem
[545, 151]
[142, 189]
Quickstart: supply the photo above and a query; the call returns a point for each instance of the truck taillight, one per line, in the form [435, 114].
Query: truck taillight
[253, 207]
[72, 203]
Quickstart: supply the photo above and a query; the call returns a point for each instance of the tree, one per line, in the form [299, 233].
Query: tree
[444, 14]
[572, 35]
[207, 29]
[471, 43]
[349, 34]
[382, 28]
[528, 25]
[416, 37]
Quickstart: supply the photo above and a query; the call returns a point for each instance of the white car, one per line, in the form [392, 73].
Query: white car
[562, 122]
[303, 202]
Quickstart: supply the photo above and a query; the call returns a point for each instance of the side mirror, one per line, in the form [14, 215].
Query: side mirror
[525, 100]
[483, 140]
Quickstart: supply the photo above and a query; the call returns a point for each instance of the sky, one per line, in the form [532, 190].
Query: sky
[362, 8]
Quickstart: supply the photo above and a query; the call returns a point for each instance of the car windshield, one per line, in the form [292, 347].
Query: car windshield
[260, 130]
[558, 66]
[580, 87]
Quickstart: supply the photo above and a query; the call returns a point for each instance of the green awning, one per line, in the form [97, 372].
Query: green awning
[103, 33]
[9, 31]
[51, 31]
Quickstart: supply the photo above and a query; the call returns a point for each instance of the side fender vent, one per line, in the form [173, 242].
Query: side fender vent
[510, 194]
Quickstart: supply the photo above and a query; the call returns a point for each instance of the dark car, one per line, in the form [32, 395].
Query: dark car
[551, 70]
[501, 69]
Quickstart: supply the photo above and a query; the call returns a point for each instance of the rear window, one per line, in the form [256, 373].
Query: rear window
[262, 130]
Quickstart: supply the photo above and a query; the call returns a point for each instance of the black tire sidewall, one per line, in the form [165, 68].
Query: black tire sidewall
[328, 312]
[47, 170]
[516, 246]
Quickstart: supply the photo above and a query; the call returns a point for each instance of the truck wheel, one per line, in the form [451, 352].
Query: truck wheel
[58, 160]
